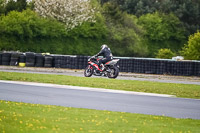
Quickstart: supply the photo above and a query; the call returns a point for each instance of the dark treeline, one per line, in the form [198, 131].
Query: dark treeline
[130, 27]
[188, 11]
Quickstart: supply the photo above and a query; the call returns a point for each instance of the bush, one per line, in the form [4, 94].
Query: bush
[27, 31]
[165, 54]
[192, 49]
[124, 34]
[28, 24]
[162, 31]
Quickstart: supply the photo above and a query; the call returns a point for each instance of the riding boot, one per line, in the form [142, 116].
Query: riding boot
[102, 67]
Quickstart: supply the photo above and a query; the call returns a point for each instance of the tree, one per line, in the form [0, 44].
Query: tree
[2, 6]
[9, 5]
[162, 31]
[21, 5]
[70, 12]
[165, 54]
[186, 10]
[124, 34]
[160, 27]
[191, 50]
[28, 24]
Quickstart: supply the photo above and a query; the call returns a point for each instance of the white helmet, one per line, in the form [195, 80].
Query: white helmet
[104, 46]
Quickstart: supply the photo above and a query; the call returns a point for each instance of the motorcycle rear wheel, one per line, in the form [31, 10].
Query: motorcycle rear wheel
[88, 71]
[114, 72]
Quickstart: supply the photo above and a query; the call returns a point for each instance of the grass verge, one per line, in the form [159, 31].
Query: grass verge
[23, 117]
[179, 90]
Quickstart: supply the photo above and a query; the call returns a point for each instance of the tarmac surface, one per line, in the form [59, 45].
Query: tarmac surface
[99, 99]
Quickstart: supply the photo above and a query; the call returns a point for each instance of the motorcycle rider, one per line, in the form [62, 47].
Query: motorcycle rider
[107, 55]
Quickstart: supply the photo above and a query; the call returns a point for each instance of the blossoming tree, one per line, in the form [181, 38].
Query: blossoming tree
[70, 12]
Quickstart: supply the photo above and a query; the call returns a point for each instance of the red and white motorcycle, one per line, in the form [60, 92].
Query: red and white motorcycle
[109, 69]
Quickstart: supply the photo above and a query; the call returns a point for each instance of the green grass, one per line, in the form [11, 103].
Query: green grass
[23, 117]
[179, 90]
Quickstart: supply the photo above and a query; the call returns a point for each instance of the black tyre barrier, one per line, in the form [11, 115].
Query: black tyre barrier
[196, 69]
[184, 68]
[6, 59]
[48, 61]
[14, 60]
[0, 58]
[39, 60]
[65, 62]
[134, 65]
[22, 58]
[57, 61]
[30, 59]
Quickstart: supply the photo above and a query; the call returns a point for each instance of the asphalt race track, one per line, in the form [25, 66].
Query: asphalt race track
[99, 99]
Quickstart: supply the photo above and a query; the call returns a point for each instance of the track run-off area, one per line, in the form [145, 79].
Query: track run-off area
[101, 99]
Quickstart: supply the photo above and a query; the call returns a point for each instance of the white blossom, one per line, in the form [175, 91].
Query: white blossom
[70, 12]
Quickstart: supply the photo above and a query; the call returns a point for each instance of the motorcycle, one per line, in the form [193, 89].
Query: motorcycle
[110, 69]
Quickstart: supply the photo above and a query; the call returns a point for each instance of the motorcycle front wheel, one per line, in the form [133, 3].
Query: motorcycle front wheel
[88, 71]
[114, 72]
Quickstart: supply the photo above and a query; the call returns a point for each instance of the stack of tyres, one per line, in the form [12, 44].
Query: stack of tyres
[85, 61]
[22, 60]
[124, 65]
[126, 62]
[181, 67]
[196, 69]
[176, 68]
[132, 69]
[169, 67]
[39, 60]
[136, 64]
[120, 63]
[57, 61]
[161, 67]
[68, 62]
[198, 72]
[6, 59]
[141, 66]
[148, 66]
[73, 62]
[80, 62]
[0, 58]
[63, 62]
[76, 63]
[129, 64]
[48, 61]
[188, 68]
[14, 61]
[154, 66]
[30, 59]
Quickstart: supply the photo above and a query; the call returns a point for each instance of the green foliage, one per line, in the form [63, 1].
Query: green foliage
[28, 24]
[124, 33]
[160, 27]
[11, 5]
[94, 30]
[191, 50]
[182, 9]
[26, 31]
[2, 9]
[186, 10]
[162, 31]
[165, 54]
